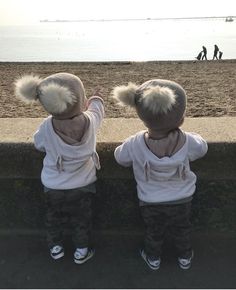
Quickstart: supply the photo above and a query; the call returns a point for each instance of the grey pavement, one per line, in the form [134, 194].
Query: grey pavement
[25, 263]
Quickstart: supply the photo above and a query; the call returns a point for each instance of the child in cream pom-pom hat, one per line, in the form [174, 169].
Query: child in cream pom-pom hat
[160, 159]
[68, 137]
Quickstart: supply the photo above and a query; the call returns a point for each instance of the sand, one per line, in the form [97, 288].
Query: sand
[210, 85]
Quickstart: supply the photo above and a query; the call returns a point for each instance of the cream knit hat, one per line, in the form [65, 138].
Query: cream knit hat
[160, 104]
[61, 94]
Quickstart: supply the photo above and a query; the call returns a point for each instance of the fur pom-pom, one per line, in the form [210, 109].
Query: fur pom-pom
[26, 88]
[125, 94]
[56, 98]
[158, 99]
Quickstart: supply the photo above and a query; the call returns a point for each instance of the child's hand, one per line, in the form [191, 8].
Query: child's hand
[97, 92]
[95, 96]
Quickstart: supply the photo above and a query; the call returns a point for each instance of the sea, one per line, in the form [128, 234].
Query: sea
[123, 40]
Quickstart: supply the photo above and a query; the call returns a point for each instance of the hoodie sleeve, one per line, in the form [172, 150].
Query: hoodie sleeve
[122, 154]
[39, 139]
[197, 146]
[96, 110]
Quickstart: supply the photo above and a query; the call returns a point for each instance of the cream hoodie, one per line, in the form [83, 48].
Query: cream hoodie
[161, 179]
[68, 166]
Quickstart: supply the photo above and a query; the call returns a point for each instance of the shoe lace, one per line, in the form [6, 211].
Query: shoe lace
[56, 249]
[79, 255]
[185, 261]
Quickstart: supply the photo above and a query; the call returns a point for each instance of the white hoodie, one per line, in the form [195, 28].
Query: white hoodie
[161, 179]
[66, 166]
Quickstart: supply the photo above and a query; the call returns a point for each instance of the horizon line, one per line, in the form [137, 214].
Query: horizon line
[139, 19]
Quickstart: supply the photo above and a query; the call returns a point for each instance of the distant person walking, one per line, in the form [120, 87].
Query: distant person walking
[216, 50]
[204, 50]
[220, 54]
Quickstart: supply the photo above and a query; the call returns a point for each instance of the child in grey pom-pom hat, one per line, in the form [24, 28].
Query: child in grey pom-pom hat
[68, 137]
[160, 158]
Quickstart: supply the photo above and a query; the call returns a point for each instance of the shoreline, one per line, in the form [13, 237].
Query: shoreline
[210, 85]
[118, 61]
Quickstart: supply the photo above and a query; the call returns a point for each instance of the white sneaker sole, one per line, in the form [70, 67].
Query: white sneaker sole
[184, 267]
[60, 255]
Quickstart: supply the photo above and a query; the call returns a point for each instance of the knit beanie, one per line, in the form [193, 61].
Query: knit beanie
[61, 94]
[160, 104]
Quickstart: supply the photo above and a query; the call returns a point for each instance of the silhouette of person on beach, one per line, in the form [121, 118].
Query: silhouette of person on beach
[220, 54]
[204, 53]
[199, 56]
[216, 50]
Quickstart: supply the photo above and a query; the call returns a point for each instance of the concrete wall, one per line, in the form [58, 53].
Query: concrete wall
[116, 205]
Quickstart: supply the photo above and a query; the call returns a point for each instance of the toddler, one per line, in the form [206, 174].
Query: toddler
[68, 137]
[160, 157]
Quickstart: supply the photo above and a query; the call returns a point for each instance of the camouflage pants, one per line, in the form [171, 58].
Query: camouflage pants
[73, 207]
[175, 218]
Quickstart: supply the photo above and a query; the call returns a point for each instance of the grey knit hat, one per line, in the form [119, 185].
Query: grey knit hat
[160, 104]
[61, 94]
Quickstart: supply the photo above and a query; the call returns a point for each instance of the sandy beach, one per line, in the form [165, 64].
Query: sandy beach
[210, 85]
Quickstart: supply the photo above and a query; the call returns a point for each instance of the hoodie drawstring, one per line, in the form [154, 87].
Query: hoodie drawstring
[96, 160]
[147, 170]
[59, 164]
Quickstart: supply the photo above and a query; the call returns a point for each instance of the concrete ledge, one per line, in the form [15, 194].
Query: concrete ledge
[113, 130]
[19, 159]
[116, 205]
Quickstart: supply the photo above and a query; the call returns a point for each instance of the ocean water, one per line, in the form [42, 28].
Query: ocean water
[117, 40]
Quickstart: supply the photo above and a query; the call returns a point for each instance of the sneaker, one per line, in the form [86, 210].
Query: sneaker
[57, 252]
[185, 263]
[79, 258]
[153, 264]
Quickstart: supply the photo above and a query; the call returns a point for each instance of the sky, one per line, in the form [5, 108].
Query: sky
[24, 12]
